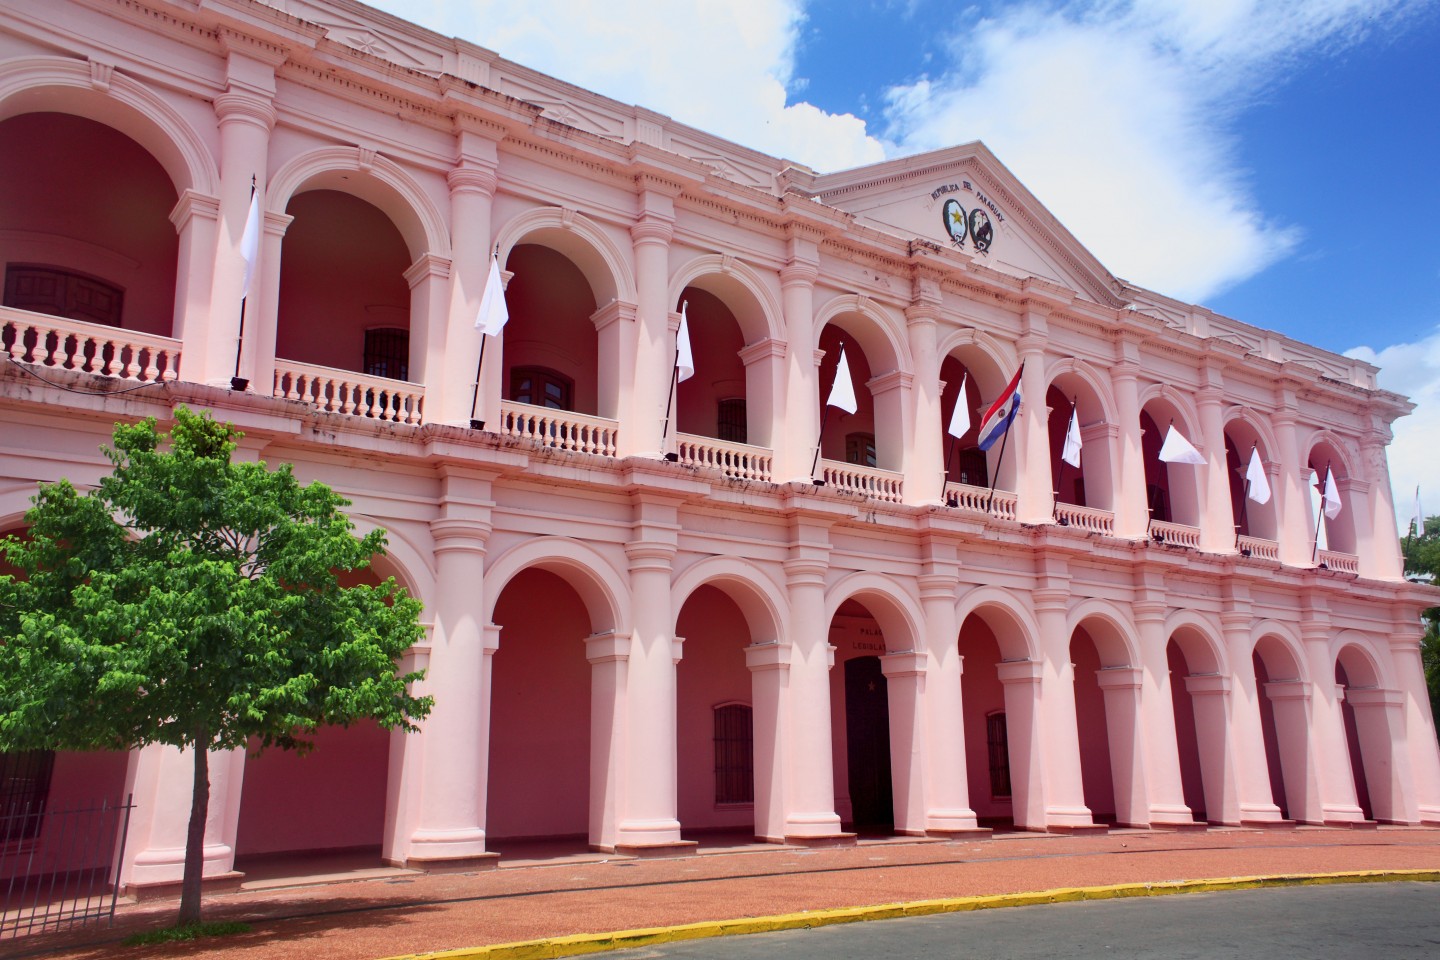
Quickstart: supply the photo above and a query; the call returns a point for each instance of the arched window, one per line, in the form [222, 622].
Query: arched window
[542, 387]
[734, 754]
[997, 740]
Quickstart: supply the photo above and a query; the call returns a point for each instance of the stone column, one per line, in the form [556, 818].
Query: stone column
[1064, 788]
[1166, 800]
[196, 218]
[455, 737]
[1030, 434]
[1419, 721]
[1385, 754]
[905, 687]
[648, 821]
[1210, 700]
[925, 467]
[161, 780]
[609, 657]
[1022, 680]
[654, 345]
[1379, 558]
[265, 302]
[949, 811]
[1132, 518]
[1291, 702]
[1329, 752]
[455, 348]
[1217, 514]
[1252, 772]
[797, 427]
[769, 665]
[1295, 526]
[1121, 689]
[429, 280]
[245, 114]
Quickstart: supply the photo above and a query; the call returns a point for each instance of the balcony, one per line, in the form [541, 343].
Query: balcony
[350, 393]
[1175, 534]
[1088, 519]
[88, 347]
[739, 461]
[560, 429]
[1340, 562]
[971, 499]
[1258, 548]
[869, 481]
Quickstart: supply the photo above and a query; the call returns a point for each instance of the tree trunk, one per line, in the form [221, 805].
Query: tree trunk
[195, 837]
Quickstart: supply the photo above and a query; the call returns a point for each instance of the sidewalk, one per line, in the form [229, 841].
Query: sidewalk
[397, 913]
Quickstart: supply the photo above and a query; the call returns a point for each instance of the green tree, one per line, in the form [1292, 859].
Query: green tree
[193, 602]
[1422, 562]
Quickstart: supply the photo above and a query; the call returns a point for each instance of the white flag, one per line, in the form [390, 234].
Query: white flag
[493, 313]
[250, 242]
[1330, 493]
[1176, 449]
[960, 416]
[684, 359]
[1418, 520]
[1071, 453]
[842, 393]
[1255, 477]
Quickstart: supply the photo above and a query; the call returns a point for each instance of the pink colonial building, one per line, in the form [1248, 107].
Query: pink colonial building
[641, 630]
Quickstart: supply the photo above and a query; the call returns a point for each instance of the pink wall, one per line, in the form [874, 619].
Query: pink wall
[539, 711]
[1185, 736]
[983, 695]
[716, 341]
[332, 798]
[1095, 770]
[550, 307]
[342, 270]
[79, 195]
[712, 673]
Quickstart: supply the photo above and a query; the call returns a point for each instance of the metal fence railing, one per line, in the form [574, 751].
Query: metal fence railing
[58, 868]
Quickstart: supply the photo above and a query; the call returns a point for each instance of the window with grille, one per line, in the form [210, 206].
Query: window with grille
[860, 449]
[973, 468]
[731, 423]
[734, 754]
[997, 740]
[542, 387]
[387, 353]
[24, 788]
[63, 293]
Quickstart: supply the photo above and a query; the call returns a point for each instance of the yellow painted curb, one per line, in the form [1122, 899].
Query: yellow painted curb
[583, 943]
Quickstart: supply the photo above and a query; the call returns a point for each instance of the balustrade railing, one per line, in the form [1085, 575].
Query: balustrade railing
[738, 460]
[1175, 534]
[870, 481]
[89, 347]
[1258, 547]
[1088, 519]
[350, 393]
[1343, 562]
[973, 499]
[560, 429]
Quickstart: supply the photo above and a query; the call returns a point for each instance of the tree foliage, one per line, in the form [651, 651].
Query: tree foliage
[1422, 562]
[193, 601]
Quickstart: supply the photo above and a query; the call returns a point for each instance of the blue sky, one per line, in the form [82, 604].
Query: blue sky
[1274, 160]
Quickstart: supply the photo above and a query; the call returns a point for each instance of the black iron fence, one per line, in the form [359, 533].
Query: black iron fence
[59, 868]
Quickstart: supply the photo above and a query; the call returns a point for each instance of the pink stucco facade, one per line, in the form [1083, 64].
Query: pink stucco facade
[627, 650]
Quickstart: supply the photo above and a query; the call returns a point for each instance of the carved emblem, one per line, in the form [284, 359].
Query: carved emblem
[954, 218]
[981, 233]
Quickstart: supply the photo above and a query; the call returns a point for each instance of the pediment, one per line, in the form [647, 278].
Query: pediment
[964, 198]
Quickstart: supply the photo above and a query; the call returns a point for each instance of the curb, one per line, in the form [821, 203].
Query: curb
[585, 943]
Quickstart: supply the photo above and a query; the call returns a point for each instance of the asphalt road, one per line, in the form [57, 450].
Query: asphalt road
[1362, 921]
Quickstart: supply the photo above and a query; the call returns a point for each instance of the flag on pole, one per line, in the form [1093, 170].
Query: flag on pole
[684, 359]
[960, 416]
[493, 312]
[1176, 449]
[1330, 495]
[842, 393]
[250, 242]
[1255, 477]
[1001, 414]
[1417, 521]
[1071, 452]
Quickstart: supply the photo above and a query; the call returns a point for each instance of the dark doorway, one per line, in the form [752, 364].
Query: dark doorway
[867, 731]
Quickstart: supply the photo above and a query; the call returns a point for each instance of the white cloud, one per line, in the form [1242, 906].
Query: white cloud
[1414, 370]
[720, 66]
[1116, 116]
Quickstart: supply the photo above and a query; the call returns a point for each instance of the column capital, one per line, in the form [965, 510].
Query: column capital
[472, 178]
[806, 571]
[652, 228]
[192, 204]
[797, 272]
[460, 535]
[235, 106]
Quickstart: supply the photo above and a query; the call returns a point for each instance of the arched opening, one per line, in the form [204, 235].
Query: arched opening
[1172, 489]
[1096, 770]
[718, 401]
[1331, 506]
[322, 811]
[1192, 714]
[1369, 737]
[1251, 518]
[1090, 484]
[1108, 725]
[551, 347]
[965, 462]
[715, 728]
[539, 717]
[1284, 725]
[860, 722]
[344, 300]
[850, 437]
[85, 229]
[990, 772]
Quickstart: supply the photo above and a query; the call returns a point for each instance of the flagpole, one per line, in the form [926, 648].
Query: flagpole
[670, 397]
[824, 416]
[1320, 514]
[949, 454]
[1060, 474]
[238, 382]
[1245, 502]
[476, 424]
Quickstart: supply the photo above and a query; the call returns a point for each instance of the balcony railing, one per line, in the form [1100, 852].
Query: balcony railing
[89, 347]
[1088, 519]
[877, 484]
[963, 496]
[350, 393]
[1342, 562]
[1259, 548]
[560, 429]
[1175, 534]
[738, 460]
